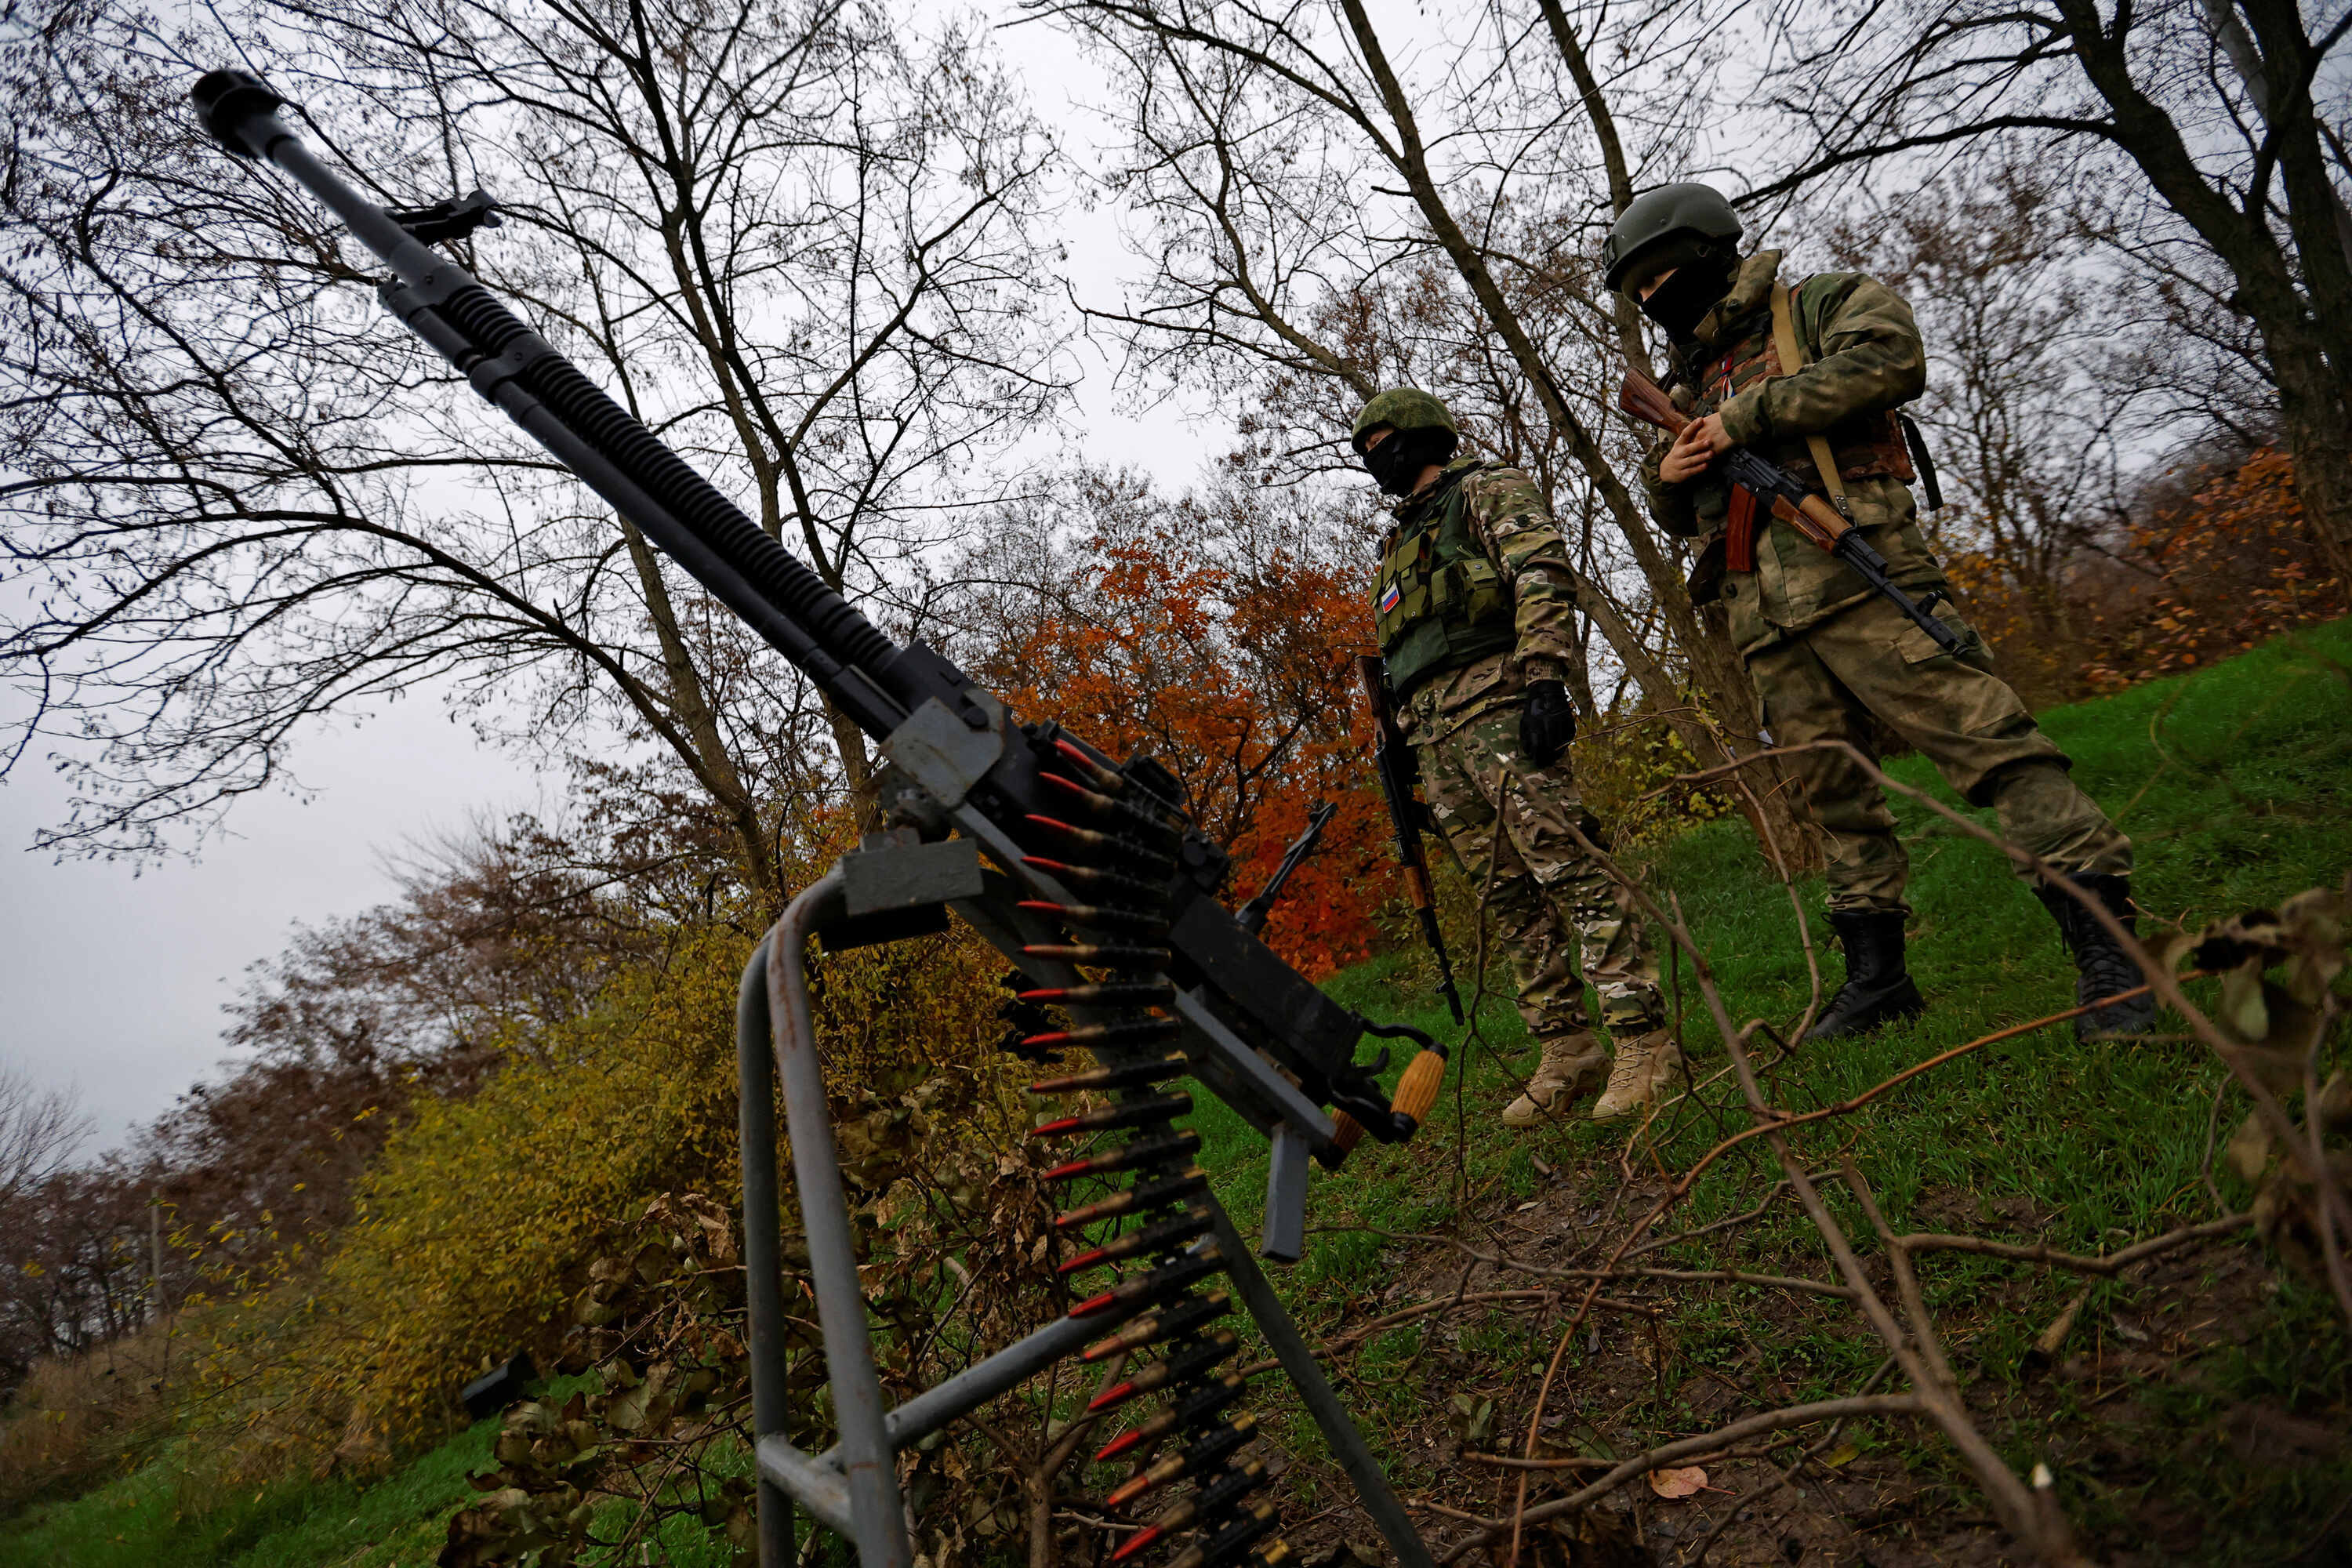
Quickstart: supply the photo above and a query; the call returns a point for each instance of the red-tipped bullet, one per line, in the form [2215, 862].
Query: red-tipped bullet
[1160, 1284]
[1126, 1075]
[1094, 956]
[1199, 1458]
[1093, 880]
[1112, 782]
[1115, 848]
[1101, 917]
[1108, 780]
[1104, 994]
[1133, 1113]
[1134, 1032]
[1231, 1541]
[1195, 1408]
[1165, 1236]
[1141, 1199]
[1187, 1363]
[1156, 1326]
[1218, 1493]
[1128, 1155]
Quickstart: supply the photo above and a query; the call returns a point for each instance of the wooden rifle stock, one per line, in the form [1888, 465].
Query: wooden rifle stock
[1647, 401]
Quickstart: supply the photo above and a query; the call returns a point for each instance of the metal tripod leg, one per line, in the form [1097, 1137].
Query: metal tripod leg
[1314, 1391]
[755, 1075]
[854, 1487]
[867, 1460]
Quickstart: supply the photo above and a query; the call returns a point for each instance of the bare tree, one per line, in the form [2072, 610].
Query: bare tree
[799, 241]
[39, 1130]
[1318, 225]
[74, 1267]
[2040, 362]
[2212, 108]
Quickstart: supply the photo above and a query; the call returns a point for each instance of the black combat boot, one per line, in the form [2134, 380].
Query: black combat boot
[2104, 968]
[1877, 988]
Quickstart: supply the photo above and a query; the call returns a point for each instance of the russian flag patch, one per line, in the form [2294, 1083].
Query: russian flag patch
[1389, 597]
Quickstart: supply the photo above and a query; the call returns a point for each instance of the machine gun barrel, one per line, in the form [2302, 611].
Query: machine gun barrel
[982, 774]
[788, 604]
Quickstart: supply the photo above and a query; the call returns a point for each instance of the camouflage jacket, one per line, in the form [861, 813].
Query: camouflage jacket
[1867, 358]
[1506, 512]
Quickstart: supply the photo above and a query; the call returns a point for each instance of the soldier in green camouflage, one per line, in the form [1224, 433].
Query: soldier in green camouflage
[1811, 376]
[1475, 612]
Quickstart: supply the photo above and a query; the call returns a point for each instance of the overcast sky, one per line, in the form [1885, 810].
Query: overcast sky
[114, 975]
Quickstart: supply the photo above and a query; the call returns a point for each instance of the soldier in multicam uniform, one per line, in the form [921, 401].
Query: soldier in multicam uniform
[1476, 624]
[1828, 655]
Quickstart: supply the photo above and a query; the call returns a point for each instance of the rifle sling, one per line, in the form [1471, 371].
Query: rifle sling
[1793, 358]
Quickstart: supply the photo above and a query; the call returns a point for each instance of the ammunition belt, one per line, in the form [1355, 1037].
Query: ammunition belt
[1152, 1223]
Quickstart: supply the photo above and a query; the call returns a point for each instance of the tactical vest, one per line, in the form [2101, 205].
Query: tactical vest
[1868, 446]
[1440, 602]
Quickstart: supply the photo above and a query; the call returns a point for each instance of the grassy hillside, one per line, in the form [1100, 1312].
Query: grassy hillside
[2236, 785]
[2214, 1378]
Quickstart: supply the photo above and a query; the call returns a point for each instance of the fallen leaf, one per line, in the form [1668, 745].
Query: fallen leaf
[1688, 1481]
[1844, 1454]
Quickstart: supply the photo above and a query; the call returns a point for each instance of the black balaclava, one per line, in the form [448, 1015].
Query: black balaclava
[1396, 463]
[1703, 274]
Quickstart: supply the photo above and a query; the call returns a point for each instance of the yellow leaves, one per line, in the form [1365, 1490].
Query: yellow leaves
[475, 1223]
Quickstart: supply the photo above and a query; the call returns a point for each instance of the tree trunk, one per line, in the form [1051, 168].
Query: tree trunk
[2312, 401]
[2313, 421]
[856, 766]
[1717, 671]
[1627, 319]
[712, 763]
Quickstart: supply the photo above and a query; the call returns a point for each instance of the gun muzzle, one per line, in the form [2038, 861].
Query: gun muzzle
[239, 111]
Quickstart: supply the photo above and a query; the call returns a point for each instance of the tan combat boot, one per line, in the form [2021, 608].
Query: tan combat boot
[1649, 1067]
[1572, 1064]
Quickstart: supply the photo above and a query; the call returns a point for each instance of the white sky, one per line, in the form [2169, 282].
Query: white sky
[112, 978]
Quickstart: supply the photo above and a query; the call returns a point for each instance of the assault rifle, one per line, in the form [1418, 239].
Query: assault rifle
[1774, 488]
[1393, 762]
[1253, 914]
[1252, 1029]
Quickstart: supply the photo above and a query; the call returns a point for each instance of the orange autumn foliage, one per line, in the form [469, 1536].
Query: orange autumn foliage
[2235, 565]
[2220, 560]
[1237, 681]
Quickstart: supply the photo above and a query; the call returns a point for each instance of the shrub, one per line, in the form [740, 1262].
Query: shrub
[473, 1230]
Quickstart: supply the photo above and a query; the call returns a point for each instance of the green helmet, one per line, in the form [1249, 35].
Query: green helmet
[1402, 408]
[1655, 217]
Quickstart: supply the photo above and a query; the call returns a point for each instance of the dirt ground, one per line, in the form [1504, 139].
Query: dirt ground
[2125, 1411]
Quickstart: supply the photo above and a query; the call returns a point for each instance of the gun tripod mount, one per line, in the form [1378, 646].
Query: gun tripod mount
[1083, 872]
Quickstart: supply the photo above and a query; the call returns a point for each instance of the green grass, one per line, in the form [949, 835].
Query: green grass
[170, 1513]
[164, 1515]
[2236, 785]
[2232, 781]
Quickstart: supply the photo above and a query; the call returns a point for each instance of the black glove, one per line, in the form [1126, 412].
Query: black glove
[1547, 723]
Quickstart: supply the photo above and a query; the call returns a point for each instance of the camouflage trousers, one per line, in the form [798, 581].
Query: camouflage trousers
[1830, 680]
[1553, 910]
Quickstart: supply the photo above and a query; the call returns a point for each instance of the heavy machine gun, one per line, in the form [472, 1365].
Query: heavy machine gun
[1083, 870]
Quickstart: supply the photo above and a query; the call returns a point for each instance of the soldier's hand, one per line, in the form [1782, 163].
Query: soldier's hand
[1548, 722]
[1694, 449]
